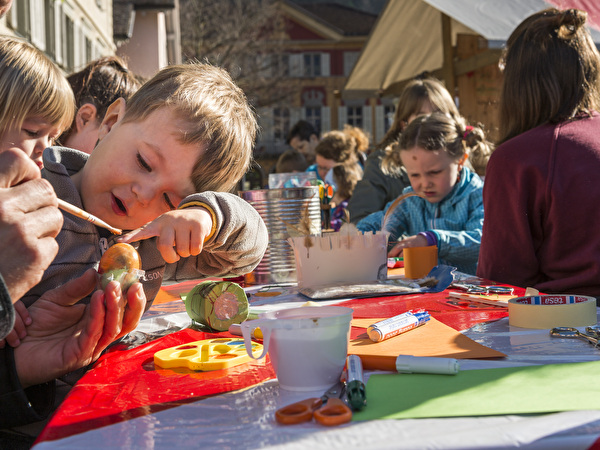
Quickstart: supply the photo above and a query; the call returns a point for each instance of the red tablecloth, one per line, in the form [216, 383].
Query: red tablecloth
[125, 384]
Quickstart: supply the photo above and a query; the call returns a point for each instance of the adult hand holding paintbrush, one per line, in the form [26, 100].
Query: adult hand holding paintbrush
[78, 212]
[29, 222]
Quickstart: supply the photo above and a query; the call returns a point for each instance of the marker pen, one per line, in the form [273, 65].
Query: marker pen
[396, 261]
[355, 384]
[398, 324]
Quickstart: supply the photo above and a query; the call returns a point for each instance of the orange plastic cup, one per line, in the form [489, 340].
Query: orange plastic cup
[418, 261]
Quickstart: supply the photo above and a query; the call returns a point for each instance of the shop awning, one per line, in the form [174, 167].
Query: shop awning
[408, 37]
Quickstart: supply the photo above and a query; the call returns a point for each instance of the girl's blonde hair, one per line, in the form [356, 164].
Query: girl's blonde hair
[345, 148]
[360, 137]
[31, 85]
[411, 100]
[346, 176]
[439, 131]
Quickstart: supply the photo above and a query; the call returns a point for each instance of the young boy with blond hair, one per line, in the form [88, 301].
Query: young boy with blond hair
[162, 169]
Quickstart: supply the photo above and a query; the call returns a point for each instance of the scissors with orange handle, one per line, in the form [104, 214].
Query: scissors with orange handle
[327, 410]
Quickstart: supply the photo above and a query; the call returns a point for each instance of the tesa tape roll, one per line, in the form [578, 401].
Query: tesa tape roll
[549, 311]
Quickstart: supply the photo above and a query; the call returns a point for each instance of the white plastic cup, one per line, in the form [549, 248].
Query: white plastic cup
[307, 345]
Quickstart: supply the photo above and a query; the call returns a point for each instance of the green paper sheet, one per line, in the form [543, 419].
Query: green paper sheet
[484, 392]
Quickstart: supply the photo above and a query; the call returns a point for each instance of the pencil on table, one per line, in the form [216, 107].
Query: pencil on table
[78, 212]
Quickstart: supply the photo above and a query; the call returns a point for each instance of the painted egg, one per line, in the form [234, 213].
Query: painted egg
[119, 257]
[121, 262]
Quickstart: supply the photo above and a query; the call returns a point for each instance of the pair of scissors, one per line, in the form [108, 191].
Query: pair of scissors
[570, 332]
[328, 409]
[480, 289]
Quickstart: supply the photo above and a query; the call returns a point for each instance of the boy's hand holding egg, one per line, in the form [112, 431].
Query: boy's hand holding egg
[121, 262]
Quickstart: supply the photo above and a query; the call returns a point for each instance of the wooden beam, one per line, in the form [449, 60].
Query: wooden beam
[490, 56]
[448, 52]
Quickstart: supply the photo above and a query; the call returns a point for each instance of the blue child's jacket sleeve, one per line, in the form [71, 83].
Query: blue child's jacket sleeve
[461, 247]
[371, 223]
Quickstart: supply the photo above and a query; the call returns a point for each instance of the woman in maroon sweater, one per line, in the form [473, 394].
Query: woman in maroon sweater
[542, 187]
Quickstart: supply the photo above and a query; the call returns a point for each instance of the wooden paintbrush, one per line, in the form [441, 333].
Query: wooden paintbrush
[78, 212]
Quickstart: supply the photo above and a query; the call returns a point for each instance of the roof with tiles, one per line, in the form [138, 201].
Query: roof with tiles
[343, 19]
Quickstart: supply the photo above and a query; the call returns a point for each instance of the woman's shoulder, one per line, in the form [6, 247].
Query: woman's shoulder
[581, 127]
[545, 131]
[584, 122]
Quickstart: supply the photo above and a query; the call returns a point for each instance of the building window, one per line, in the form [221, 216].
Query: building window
[313, 115]
[23, 19]
[388, 117]
[350, 59]
[88, 50]
[354, 116]
[312, 64]
[281, 123]
[50, 29]
[280, 65]
[68, 37]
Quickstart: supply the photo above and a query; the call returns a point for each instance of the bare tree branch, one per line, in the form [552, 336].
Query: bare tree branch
[246, 37]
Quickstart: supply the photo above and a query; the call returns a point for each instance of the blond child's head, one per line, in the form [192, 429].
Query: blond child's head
[36, 101]
[217, 116]
[419, 96]
[433, 149]
[188, 129]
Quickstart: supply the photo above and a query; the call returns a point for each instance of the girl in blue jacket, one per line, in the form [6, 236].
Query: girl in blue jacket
[443, 206]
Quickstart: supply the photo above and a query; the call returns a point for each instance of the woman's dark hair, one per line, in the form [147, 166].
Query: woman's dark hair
[551, 72]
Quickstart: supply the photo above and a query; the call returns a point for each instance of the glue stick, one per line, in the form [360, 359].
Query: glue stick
[396, 325]
[236, 330]
[426, 364]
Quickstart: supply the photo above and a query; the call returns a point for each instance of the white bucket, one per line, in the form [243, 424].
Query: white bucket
[307, 345]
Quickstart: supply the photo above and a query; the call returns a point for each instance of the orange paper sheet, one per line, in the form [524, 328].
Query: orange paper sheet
[431, 339]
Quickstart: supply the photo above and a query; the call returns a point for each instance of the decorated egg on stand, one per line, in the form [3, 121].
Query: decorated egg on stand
[121, 262]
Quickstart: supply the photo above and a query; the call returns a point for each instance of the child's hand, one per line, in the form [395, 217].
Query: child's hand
[181, 233]
[412, 241]
[19, 331]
